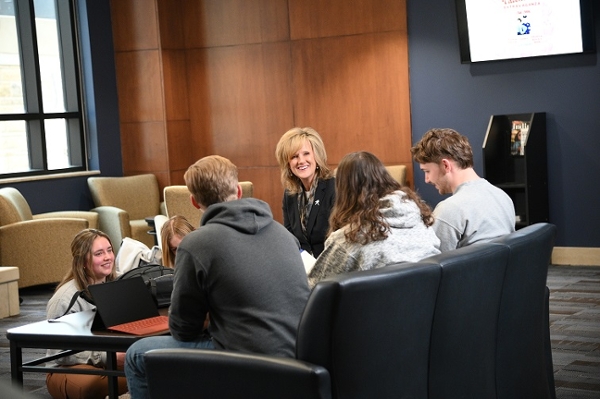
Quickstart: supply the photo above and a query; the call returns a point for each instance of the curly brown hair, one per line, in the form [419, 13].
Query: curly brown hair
[361, 181]
[437, 144]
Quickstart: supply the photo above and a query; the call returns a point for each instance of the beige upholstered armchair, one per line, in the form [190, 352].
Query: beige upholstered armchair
[123, 204]
[398, 172]
[177, 201]
[39, 245]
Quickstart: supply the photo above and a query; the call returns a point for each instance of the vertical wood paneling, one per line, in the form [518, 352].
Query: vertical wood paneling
[353, 90]
[144, 147]
[267, 186]
[139, 84]
[213, 23]
[140, 88]
[175, 86]
[181, 153]
[170, 17]
[240, 98]
[135, 24]
[235, 81]
[318, 18]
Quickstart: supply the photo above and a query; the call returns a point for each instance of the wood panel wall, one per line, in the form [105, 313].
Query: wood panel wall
[229, 77]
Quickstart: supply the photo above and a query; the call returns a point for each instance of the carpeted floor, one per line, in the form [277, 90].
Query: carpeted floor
[574, 329]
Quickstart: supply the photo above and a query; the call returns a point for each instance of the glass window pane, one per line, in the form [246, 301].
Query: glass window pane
[49, 53]
[14, 154]
[57, 148]
[11, 89]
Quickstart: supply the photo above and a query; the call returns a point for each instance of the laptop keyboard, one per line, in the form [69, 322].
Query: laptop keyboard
[152, 325]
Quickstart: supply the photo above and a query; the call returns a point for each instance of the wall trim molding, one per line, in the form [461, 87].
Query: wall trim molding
[579, 256]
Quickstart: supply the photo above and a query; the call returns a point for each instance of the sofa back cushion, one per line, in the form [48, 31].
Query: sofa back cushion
[138, 195]
[371, 330]
[522, 321]
[178, 202]
[463, 342]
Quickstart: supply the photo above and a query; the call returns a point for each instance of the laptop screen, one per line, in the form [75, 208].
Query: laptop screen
[123, 301]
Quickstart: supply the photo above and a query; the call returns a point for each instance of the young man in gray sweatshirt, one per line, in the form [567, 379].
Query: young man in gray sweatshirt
[241, 267]
[477, 211]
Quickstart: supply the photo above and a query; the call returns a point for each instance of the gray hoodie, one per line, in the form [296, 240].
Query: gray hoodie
[245, 270]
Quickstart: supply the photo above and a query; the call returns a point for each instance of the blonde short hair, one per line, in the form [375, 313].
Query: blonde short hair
[289, 144]
[211, 180]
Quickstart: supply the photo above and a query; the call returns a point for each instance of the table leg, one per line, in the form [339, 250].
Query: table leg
[16, 361]
[113, 380]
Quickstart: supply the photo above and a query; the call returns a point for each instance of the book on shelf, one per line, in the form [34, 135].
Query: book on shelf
[518, 137]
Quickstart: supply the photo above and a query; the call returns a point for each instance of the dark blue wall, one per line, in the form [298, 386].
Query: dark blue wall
[446, 93]
[104, 140]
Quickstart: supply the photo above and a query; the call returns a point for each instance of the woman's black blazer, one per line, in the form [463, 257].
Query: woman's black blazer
[318, 220]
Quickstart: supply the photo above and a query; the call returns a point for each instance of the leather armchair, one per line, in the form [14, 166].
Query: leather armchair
[369, 330]
[177, 201]
[124, 203]
[39, 245]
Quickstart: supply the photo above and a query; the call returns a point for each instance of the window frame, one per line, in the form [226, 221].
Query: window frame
[34, 116]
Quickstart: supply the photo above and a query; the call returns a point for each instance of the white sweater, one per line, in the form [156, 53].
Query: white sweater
[57, 305]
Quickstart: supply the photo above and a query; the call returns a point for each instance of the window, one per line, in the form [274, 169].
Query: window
[41, 123]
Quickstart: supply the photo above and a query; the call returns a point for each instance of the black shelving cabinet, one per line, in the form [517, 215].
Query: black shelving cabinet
[519, 167]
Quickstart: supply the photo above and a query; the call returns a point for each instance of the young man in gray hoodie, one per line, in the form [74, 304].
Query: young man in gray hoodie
[241, 267]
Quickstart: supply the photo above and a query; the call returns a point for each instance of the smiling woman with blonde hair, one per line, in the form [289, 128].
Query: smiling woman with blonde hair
[93, 263]
[309, 187]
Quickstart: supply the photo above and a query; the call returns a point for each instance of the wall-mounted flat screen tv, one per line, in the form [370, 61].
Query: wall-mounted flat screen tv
[508, 29]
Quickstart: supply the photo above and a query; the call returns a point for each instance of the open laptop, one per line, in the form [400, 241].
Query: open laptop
[126, 305]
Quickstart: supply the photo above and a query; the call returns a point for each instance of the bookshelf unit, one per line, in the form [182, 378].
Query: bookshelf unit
[520, 170]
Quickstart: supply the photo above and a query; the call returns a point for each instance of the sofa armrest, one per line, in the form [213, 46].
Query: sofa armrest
[194, 371]
[91, 217]
[115, 223]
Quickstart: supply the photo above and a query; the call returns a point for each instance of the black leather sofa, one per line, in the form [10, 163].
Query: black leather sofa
[469, 323]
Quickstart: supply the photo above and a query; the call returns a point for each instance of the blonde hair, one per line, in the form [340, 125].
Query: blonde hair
[212, 179]
[81, 250]
[176, 226]
[289, 144]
